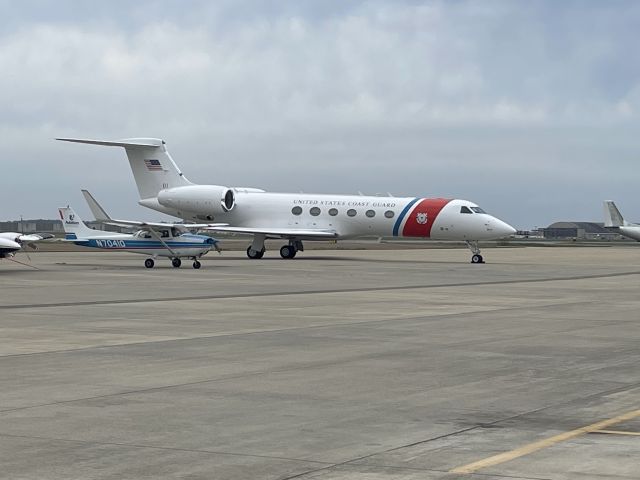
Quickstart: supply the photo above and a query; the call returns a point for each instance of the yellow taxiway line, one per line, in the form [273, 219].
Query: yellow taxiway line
[547, 442]
[617, 432]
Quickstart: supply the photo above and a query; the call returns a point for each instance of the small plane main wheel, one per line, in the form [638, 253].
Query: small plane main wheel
[149, 263]
[253, 254]
[196, 264]
[176, 262]
[287, 251]
[477, 259]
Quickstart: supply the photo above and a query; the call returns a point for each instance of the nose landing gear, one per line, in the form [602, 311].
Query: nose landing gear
[475, 250]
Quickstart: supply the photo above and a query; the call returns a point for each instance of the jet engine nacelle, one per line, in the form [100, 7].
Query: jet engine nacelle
[204, 200]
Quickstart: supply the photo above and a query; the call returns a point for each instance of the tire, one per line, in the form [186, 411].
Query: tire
[253, 255]
[477, 259]
[287, 251]
[176, 262]
[196, 264]
[149, 263]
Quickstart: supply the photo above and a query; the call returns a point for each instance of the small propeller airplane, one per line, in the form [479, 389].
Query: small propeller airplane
[172, 240]
[13, 242]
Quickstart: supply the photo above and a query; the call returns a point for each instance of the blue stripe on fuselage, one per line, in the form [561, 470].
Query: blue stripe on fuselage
[396, 226]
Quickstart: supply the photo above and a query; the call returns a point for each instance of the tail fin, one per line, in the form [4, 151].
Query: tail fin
[98, 212]
[612, 216]
[73, 225]
[152, 166]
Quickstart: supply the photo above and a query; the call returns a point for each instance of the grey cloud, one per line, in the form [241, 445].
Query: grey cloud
[485, 100]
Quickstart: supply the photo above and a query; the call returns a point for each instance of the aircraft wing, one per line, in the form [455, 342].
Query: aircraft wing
[278, 232]
[150, 225]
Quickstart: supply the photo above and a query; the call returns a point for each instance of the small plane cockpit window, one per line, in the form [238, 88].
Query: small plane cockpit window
[175, 232]
[144, 234]
[164, 233]
[478, 210]
[464, 209]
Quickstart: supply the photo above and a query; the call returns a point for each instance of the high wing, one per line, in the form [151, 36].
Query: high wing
[277, 232]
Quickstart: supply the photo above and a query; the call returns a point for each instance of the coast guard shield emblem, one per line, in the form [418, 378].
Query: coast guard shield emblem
[422, 218]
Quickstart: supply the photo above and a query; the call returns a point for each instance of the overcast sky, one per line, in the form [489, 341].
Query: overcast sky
[531, 109]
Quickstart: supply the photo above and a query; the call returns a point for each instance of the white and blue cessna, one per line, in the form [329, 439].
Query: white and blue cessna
[153, 239]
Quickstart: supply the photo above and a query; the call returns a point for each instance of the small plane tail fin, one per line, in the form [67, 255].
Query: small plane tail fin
[98, 212]
[612, 216]
[152, 166]
[73, 225]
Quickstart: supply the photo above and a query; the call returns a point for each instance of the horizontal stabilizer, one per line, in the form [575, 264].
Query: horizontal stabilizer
[127, 143]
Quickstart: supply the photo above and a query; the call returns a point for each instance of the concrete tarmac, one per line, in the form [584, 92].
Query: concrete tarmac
[389, 364]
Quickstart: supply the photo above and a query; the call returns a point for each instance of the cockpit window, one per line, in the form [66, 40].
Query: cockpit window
[478, 210]
[464, 209]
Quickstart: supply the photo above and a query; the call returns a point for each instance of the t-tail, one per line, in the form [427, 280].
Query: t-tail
[612, 216]
[152, 166]
[74, 227]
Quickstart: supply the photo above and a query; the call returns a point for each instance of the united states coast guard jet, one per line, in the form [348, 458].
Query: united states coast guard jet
[153, 239]
[298, 217]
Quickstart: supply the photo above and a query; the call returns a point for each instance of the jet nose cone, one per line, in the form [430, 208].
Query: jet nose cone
[503, 229]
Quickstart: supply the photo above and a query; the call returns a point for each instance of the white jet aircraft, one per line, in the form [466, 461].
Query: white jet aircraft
[614, 221]
[153, 239]
[297, 217]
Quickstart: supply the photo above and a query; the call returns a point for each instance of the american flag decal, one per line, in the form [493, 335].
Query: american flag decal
[153, 165]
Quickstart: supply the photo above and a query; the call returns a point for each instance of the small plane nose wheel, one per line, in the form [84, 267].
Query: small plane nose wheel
[176, 262]
[196, 264]
[149, 263]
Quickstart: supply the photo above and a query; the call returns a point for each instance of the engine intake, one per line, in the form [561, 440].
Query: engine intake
[203, 200]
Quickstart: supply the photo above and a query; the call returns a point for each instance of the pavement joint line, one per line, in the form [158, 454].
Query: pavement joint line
[158, 447]
[316, 292]
[616, 432]
[310, 327]
[544, 443]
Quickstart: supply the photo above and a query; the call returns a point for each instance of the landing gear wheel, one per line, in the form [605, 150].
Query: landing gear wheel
[287, 251]
[254, 254]
[477, 259]
[176, 262]
[149, 263]
[196, 264]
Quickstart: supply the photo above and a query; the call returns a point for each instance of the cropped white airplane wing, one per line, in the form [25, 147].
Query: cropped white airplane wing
[277, 232]
[181, 226]
[102, 216]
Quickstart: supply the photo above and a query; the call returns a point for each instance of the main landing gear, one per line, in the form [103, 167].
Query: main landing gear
[176, 262]
[289, 251]
[475, 250]
[255, 254]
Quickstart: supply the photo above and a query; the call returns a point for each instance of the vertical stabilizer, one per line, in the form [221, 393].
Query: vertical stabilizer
[152, 166]
[99, 213]
[612, 216]
[74, 227]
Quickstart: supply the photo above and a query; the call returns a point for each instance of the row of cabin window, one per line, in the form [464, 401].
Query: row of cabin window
[315, 211]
